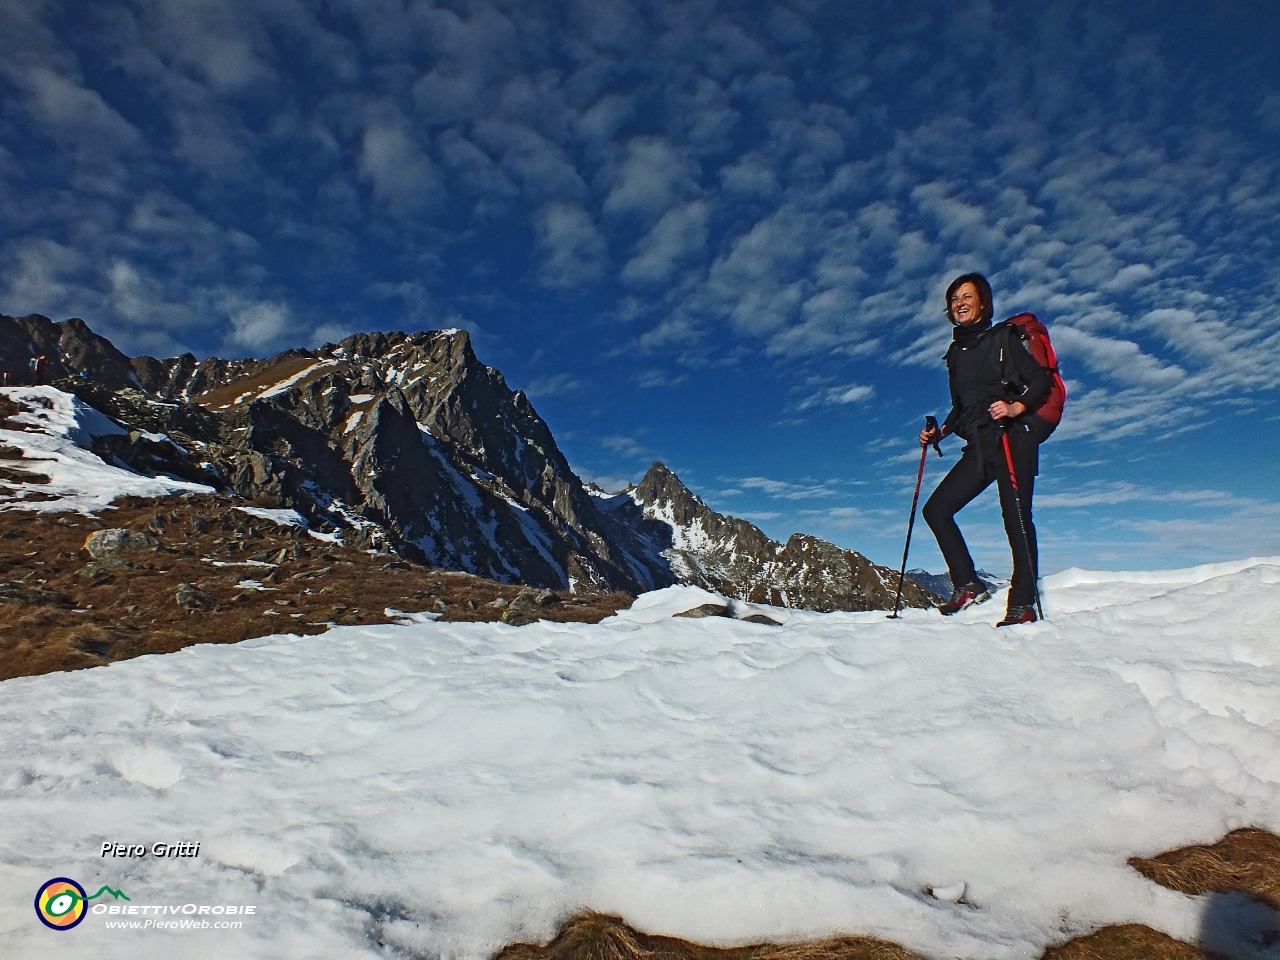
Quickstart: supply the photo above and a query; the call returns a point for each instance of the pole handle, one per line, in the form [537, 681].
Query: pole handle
[931, 423]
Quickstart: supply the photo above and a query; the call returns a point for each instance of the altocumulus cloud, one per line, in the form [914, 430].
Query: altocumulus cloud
[678, 187]
[849, 393]
[573, 249]
[401, 174]
[760, 172]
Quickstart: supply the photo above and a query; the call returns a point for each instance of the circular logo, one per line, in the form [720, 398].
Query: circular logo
[60, 903]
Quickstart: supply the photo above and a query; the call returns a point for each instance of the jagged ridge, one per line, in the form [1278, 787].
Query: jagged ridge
[408, 442]
[736, 558]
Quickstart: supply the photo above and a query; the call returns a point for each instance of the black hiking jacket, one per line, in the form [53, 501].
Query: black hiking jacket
[987, 364]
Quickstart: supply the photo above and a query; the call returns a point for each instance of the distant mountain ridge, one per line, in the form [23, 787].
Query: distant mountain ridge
[940, 583]
[408, 442]
[736, 558]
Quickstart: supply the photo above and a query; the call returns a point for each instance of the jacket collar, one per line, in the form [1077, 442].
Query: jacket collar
[967, 335]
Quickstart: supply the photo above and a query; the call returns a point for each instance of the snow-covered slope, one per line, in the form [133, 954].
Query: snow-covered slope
[446, 788]
[55, 471]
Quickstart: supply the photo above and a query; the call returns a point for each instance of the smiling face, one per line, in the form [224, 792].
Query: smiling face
[966, 304]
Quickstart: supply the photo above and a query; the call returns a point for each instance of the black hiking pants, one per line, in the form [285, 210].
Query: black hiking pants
[970, 477]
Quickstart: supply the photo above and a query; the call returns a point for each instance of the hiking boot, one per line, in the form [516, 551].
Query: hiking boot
[1016, 614]
[975, 591]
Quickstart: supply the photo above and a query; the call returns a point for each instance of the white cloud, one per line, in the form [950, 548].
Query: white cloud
[416, 304]
[826, 523]
[218, 40]
[1250, 532]
[476, 171]
[401, 174]
[659, 379]
[1108, 492]
[680, 234]
[786, 490]
[42, 276]
[750, 175]
[134, 295]
[209, 141]
[624, 446]
[1269, 112]
[541, 166]
[260, 326]
[652, 178]
[573, 249]
[599, 122]
[1244, 355]
[963, 223]
[162, 224]
[1094, 493]
[1111, 416]
[451, 92]
[331, 332]
[754, 283]
[1121, 361]
[837, 396]
[74, 112]
[1127, 278]
[554, 385]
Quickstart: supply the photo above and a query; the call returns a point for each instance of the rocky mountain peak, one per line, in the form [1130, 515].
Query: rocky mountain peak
[665, 497]
[407, 442]
[660, 486]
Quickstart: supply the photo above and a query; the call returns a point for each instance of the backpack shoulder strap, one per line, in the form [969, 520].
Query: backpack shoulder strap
[1002, 333]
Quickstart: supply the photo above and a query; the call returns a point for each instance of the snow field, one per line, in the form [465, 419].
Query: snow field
[444, 789]
[62, 426]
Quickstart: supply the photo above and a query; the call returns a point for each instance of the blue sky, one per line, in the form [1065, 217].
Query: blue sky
[715, 234]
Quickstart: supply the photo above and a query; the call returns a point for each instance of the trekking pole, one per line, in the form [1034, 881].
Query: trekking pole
[1022, 523]
[929, 424]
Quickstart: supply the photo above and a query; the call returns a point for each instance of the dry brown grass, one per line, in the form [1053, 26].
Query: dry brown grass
[595, 936]
[1247, 861]
[60, 612]
[270, 374]
[1131, 941]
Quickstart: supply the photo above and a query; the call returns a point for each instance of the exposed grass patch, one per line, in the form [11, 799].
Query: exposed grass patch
[218, 575]
[596, 936]
[245, 387]
[1131, 941]
[1246, 861]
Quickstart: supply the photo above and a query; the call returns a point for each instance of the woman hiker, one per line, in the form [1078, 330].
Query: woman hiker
[994, 383]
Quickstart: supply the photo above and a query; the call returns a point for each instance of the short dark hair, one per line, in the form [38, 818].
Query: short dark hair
[984, 293]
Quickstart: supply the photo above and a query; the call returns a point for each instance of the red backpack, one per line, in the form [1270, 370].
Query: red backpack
[1036, 339]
